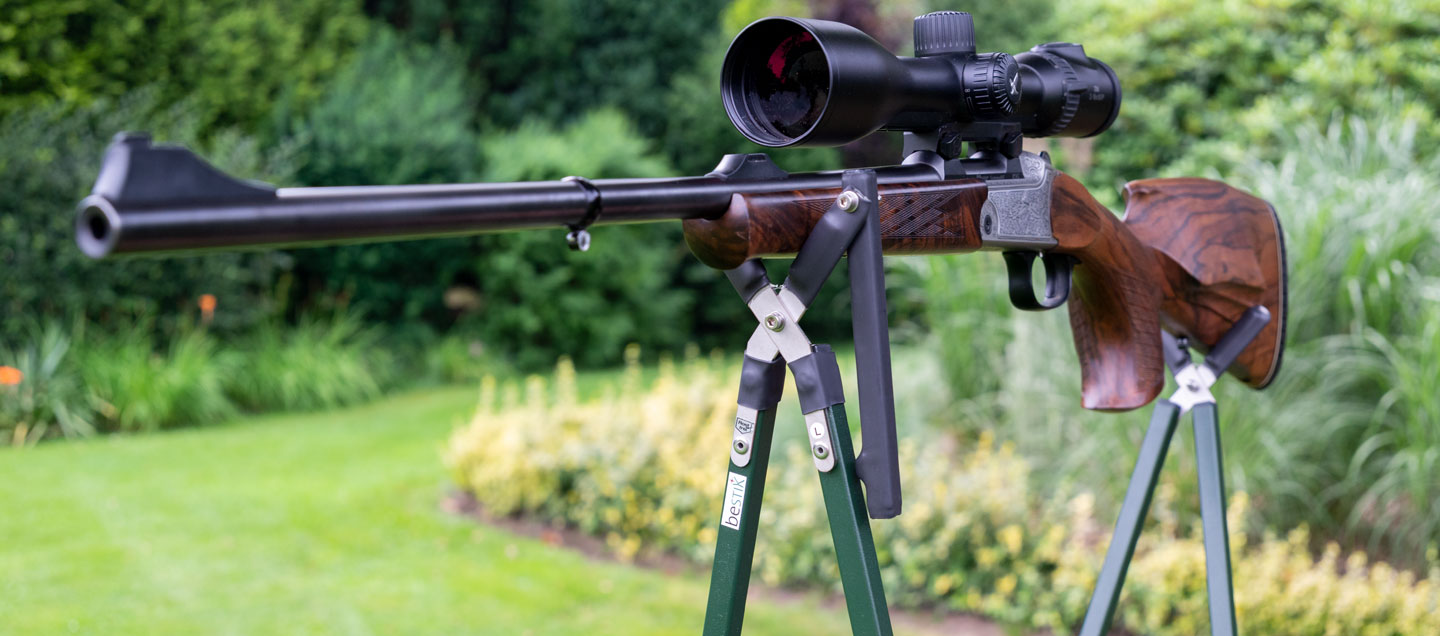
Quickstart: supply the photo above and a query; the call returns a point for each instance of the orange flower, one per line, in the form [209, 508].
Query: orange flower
[207, 308]
[10, 376]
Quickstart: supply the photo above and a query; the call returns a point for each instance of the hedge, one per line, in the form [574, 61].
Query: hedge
[639, 467]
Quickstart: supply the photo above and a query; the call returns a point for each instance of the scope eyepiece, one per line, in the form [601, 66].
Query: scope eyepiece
[790, 81]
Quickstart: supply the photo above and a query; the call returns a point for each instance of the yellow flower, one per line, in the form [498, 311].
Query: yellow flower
[1006, 585]
[943, 584]
[10, 376]
[1012, 536]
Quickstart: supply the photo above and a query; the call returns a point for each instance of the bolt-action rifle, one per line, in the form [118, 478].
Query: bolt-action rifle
[1190, 256]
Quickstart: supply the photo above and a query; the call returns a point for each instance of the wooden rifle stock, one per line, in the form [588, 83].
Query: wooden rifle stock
[1190, 255]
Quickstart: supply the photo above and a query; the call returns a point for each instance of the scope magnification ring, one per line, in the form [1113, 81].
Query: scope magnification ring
[1072, 99]
[992, 85]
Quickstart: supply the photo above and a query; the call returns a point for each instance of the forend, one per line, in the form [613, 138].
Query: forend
[792, 81]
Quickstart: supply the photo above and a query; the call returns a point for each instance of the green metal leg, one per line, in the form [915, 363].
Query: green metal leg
[1212, 516]
[850, 531]
[1132, 518]
[735, 543]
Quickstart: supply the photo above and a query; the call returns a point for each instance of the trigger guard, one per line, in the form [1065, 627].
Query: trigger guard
[1057, 280]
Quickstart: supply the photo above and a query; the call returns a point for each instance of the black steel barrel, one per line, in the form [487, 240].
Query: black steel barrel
[165, 199]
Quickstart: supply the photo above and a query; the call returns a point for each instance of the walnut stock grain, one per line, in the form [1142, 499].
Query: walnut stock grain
[922, 218]
[1222, 252]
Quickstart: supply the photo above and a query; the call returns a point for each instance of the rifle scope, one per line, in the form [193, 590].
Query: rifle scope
[795, 82]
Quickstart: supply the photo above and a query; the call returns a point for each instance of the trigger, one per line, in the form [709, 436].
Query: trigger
[1057, 280]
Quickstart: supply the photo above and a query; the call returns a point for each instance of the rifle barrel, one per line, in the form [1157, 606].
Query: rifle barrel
[164, 199]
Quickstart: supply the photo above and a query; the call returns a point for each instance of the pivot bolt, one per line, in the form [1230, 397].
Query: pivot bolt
[740, 447]
[848, 201]
[821, 452]
[775, 322]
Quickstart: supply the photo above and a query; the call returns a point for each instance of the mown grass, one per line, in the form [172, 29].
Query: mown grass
[322, 523]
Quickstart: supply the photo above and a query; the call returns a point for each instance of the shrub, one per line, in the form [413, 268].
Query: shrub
[1217, 81]
[537, 298]
[398, 113]
[48, 162]
[230, 59]
[640, 468]
[1341, 440]
[45, 398]
[555, 60]
[314, 364]
[140, 387]
[1349, 441]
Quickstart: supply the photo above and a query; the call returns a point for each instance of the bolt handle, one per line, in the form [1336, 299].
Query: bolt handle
[1223, 354]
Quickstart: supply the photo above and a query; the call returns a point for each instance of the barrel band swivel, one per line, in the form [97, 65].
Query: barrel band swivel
[579, 236]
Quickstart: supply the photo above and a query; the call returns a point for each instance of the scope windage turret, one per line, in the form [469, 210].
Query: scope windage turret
[789, 81]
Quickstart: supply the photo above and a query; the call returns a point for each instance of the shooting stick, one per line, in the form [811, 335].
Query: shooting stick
[850, 225]
[1194, 395]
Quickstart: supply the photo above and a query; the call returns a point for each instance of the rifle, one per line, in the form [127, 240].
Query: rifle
[1192, 257]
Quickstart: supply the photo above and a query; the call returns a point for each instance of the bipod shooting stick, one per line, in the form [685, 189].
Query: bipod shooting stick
[850, 225]
[1194, 396]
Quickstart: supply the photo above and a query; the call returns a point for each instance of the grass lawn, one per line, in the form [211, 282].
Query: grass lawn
[321, 523]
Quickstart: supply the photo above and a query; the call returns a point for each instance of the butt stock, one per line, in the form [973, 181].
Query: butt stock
[1189, 256]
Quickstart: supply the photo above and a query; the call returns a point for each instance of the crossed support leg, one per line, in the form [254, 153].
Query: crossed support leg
[839, 485]
[1194, 396]
[1137, 502]
[850, 226]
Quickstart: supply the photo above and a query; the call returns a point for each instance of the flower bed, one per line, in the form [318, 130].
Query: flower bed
[638, 467]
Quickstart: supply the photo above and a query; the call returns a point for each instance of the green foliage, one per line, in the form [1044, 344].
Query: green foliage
[456, 359]
[47, 163]
[398, 113]
[965, 302]
[48, 399]
[1346, 438]
[1355, 441]
[314, 364]
[127, 379]
[1011, 26]
[1225, 80]
[230, 58]
[638, 468]
[140, 387]
[538, 298]
[554, 60]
